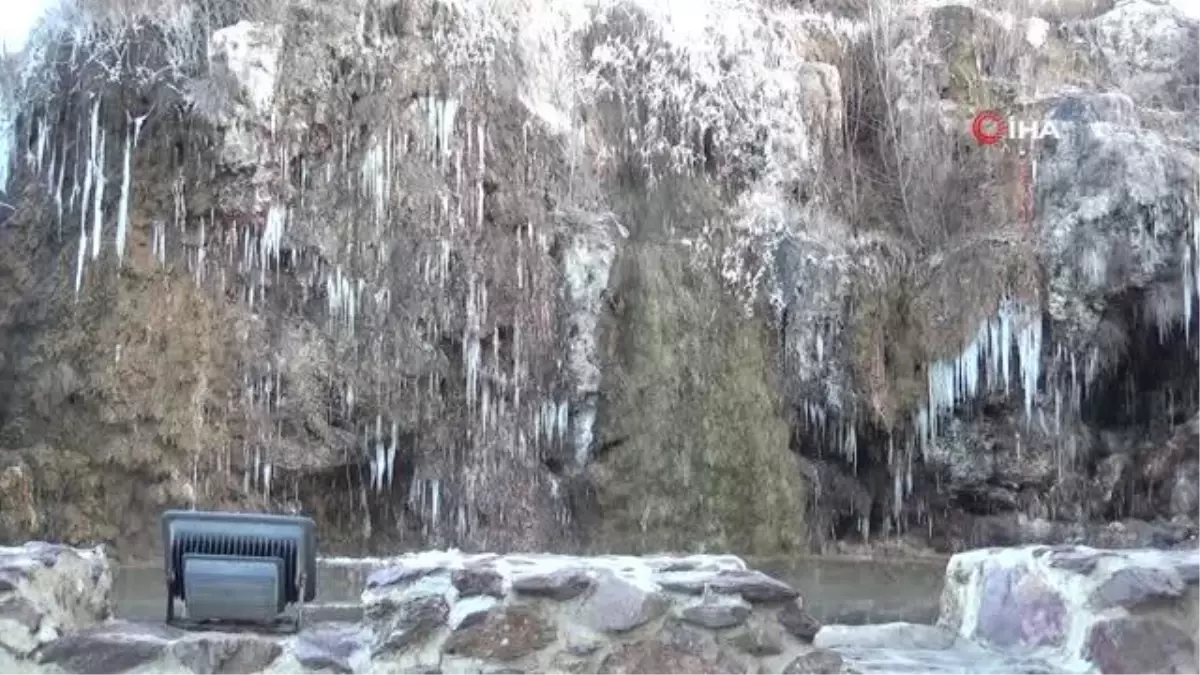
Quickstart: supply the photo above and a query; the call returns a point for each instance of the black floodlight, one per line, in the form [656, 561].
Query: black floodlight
[238, 567]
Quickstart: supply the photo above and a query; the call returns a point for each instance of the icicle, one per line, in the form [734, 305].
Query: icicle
[272, 238]
[985, 364]
[83, 242]
[266, 478]
[98, 176]
[391, 453]
[123, 208]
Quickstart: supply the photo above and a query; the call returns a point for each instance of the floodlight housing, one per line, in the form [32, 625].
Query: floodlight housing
[238, 567]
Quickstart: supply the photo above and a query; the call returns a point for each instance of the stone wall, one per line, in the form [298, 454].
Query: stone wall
[447, 612]
[1036, 609]
[47, 590]
[1043, 609]
[1115, 611]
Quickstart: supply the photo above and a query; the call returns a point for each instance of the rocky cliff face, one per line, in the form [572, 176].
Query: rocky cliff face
[619, 275]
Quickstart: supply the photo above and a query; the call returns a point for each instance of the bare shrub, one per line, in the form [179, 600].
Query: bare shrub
[911, 171]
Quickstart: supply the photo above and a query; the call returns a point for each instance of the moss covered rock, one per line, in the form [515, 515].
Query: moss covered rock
[694, 447]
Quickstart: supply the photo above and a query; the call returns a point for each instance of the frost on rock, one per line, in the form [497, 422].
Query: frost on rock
[588, 258]
[248, 53]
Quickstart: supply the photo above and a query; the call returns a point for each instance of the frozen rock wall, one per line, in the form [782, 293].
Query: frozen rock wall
[532, 275]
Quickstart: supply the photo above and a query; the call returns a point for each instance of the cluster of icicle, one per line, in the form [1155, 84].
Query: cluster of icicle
[986, 365]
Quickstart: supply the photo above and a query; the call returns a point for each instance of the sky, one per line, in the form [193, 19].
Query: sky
[19, 19]
[1188, 7]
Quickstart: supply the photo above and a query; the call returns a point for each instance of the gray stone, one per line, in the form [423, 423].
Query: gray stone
[1132, 645]
[758, 641]
[20, 611]
[654, 655]
[1188, 572]
[505, 634]
[478, 580]
[690, 639]
[397, 574]
[616, 605]
[798, 622]
[336, 647]
[1133, 586]
[717, 611]
[816, 662]
[471, 609]
[750, 584]
[582, 642]
[105, 649]
[1017, 609]
[10, 580]
[411, 620]
[1079, 561]
[50, 590]
[220, 653]
[563, 584]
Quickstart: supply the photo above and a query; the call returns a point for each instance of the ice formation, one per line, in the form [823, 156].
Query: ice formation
[986, 364]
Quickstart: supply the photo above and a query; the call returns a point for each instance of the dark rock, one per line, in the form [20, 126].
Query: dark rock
[330, 647]
[226, 653]
[1133, 586]
[1075, 560]
[717, 611]
[1016, 609]
[758, 641]
[559, 585]
[411, 620]
[1133, 645]
[505, 634]
[21, 611]
[750, 584]
[471, 610]
[103, 651]
[1188, 572]
[654, 655]
[798, 622]
[10, 580]
[478, 580]
[690, 639]
[616, 605]
[817, 662]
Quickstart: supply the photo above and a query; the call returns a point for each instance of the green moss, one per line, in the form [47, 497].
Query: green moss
[700, 457]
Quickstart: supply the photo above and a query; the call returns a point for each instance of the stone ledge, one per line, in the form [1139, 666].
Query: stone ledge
[48, 590]
[442, 611]
[1079, 607]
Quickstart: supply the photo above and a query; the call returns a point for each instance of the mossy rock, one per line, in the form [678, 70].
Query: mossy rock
[697, 446]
